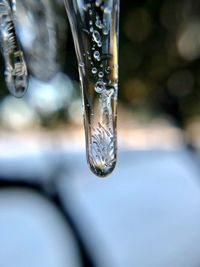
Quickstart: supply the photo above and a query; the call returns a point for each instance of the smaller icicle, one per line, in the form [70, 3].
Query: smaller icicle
[15, 67]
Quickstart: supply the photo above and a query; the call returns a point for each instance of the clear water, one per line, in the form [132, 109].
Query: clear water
[94, 26]
[15, 66]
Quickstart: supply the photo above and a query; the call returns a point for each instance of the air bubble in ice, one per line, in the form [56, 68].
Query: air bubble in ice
[98, 24]
[99, 44]
[96, 36]
[99, 87]
[97, 55]
[105, 31]
[81, 64]
[101, 74]
[94, 70]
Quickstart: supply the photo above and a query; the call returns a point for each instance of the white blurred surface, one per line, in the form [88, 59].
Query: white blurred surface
[33, 233]
[147, 214]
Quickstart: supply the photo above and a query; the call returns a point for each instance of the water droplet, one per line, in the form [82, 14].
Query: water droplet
[91, 29]
[94, 70]
[101, 65]
[96, 36]
[90, 22]
[97, 55]
[89, 58]
[90, 12]
[99, 87]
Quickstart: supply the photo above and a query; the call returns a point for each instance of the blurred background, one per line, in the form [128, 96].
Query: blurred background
[53, 211]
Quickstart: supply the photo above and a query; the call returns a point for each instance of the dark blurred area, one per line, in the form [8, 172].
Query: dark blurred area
[52, 209]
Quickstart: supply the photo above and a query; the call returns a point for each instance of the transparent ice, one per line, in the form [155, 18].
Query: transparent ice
[94, 26]
[15, 66]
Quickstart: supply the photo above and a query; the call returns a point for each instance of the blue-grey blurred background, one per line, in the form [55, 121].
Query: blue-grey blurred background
[53, 211]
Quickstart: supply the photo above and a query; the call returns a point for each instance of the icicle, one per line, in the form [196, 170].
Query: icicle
[15, 66]
[97, 52]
